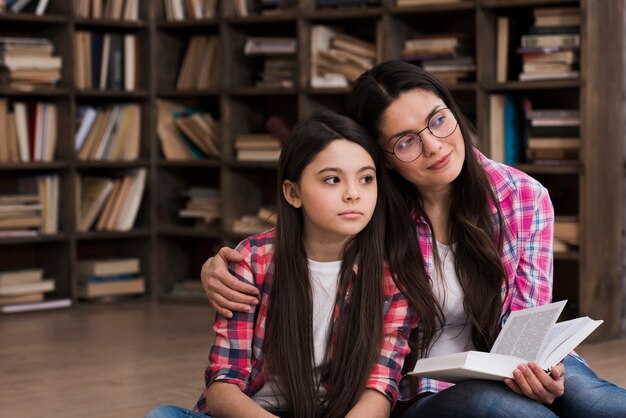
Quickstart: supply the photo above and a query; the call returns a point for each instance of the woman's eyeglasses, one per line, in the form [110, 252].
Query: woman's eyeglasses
[408, 147]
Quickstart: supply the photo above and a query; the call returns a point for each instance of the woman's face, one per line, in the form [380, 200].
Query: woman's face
[441, 159]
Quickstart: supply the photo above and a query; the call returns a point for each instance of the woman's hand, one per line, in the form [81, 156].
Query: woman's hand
[532, 381]
[223, 290]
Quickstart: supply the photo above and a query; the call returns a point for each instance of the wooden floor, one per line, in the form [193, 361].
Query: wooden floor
[122, 359]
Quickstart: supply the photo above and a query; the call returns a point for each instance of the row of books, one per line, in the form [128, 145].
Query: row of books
[187, 133]
[109, 203]
[337, 58]
[24, 290]
[109, 133]
[126, 10]
[32, 208]
[28, 131]
[106, 61]
[27, 63]
[177, 10]
[202, 204]
[37, 7]
[201, 64]
[519, 133]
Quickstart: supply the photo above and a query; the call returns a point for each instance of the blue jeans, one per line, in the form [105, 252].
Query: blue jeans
[586, 395]
[173, 412]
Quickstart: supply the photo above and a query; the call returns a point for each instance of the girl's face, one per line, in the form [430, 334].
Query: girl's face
[337, 192]
[441, 159]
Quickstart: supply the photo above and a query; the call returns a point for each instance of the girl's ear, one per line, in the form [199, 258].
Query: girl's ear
[292, 196]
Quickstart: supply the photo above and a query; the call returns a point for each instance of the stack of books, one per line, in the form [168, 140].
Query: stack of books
[257, 147]
[33, 210]
[550, 50]
[110, 204]
[277, 73]
[337, 58]
[448, 56]
[23, 290]
[187, 133]
[31, 131]
[203, 204]
[554, 136]
[109, 277]
[264, 219]
[28, 63]
[112, 133]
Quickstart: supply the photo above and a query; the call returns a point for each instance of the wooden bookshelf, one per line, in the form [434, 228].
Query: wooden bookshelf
[172, 249]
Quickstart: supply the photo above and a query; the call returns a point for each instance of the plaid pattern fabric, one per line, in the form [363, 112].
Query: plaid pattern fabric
[527, 250]
[236, 355]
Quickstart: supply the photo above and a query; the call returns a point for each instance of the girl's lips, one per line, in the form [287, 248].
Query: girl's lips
[351, 214]
[441, 163]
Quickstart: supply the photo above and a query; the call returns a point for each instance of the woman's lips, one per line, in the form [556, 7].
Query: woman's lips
[441, 162]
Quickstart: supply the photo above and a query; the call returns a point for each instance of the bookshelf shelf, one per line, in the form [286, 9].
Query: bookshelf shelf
[532, 85]
[173, 250]
[214, 232]
[108, 24]
[112, 235]
[31, 18]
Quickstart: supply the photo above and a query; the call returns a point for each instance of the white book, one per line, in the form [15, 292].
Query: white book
[89, 117]
[528, 335]
[13, 289]
[36, 306]
[41, 7]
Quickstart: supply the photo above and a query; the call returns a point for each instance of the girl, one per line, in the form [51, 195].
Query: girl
[485, 241]
[327, 338]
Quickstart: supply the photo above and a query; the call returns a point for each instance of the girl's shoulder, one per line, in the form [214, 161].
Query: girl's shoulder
[258, 250]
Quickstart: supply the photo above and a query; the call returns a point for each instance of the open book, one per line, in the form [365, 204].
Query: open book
[528, 335]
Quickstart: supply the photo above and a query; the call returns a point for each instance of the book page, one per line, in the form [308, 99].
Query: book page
[525, 331]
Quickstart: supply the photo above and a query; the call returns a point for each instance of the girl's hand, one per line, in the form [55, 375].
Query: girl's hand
[223, 290]
[532, 381]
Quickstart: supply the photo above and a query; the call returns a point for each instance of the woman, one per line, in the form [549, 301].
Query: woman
[485, 243]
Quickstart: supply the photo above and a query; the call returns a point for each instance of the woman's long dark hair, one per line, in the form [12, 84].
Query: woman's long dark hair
[358, 333]
[478, 240]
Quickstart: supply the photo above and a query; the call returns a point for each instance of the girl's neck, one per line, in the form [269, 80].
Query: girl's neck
[324, 251]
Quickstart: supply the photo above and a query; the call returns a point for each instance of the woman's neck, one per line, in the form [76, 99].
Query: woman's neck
[437, 208]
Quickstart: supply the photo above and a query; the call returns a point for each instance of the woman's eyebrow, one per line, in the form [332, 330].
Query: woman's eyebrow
[434, 110]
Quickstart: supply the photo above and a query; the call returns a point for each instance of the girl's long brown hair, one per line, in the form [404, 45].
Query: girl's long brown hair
[358, 332]
[478, 239]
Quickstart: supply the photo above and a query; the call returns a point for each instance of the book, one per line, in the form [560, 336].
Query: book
[36, 306]
[108, 267]
[21, 276]
[528, 335]
[89, 290]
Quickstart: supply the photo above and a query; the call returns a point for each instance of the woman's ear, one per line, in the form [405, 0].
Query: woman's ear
[292, 196]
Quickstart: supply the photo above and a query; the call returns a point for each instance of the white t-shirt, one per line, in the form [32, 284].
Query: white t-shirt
[324, 281]
[455, 337]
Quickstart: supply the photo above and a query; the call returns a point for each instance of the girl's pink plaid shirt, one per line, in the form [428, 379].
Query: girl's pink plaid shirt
[236, 355]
